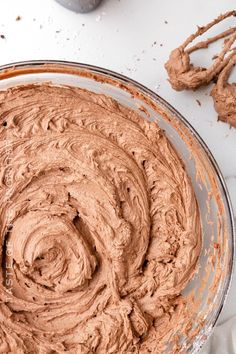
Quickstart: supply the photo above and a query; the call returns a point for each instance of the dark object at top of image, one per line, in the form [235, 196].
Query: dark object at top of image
[81, 6]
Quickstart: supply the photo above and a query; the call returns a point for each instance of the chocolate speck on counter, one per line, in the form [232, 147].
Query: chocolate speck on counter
[198, 102]
[18, 18]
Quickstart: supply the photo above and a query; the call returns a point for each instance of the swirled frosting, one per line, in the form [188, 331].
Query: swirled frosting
[100, 229]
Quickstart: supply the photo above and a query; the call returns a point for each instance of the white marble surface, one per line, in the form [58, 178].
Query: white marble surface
[133, 37]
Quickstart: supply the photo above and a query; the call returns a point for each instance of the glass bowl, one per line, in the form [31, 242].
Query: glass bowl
[209, 287]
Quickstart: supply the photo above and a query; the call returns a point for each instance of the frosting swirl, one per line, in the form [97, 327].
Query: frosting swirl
[99, 224]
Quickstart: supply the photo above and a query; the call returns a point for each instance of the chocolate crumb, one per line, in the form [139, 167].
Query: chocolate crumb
[2, 36]
[166, 22]
[18, 18]
[198, 102]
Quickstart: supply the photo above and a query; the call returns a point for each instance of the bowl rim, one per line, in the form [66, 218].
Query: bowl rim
[159, 100]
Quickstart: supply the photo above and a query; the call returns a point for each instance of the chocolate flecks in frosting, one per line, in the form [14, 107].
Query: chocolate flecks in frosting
[183, 74]
[224, 95]
[105, 231]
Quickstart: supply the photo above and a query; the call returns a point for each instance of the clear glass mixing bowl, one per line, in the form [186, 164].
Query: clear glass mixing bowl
[209, 287]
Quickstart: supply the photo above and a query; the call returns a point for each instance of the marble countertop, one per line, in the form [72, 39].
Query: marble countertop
[133, 38]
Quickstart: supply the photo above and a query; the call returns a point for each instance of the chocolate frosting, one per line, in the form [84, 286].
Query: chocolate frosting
[224, 95]
[100, 228]
[183, 74]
